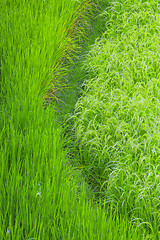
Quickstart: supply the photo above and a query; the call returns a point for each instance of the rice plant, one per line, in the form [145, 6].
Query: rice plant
[117, 116]
[39, 198]
[38, 36]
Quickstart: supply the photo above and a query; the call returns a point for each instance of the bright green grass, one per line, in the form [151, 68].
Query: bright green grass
[36, 40]
[117, 119]
[41, 195]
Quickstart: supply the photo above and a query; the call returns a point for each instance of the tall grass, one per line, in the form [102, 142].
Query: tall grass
[117, 117]
[41, 195]
[39, 37]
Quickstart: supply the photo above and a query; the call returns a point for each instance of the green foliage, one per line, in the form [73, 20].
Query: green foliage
[117, 117]
[37, 40]
[41, 195]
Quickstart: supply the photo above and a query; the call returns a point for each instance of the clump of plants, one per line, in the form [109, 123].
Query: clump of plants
[117, 120]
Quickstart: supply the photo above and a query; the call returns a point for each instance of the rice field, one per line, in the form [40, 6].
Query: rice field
[117, 120]
[92, 172]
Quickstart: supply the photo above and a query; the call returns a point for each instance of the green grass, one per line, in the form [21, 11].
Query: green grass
[39, 191]
[42, 195]
[117, 117]
[39, 37]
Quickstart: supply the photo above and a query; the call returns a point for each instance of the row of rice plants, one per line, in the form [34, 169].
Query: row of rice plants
[41, 197]
[38, 197]
[28, 26]
[117, 118]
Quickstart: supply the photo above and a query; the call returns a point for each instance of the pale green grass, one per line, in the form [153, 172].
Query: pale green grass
[117, 120]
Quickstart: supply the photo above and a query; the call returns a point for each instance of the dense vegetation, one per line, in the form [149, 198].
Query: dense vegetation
[113, 190]
[117, 118]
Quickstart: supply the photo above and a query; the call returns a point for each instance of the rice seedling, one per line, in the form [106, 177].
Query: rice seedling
[117, 116]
